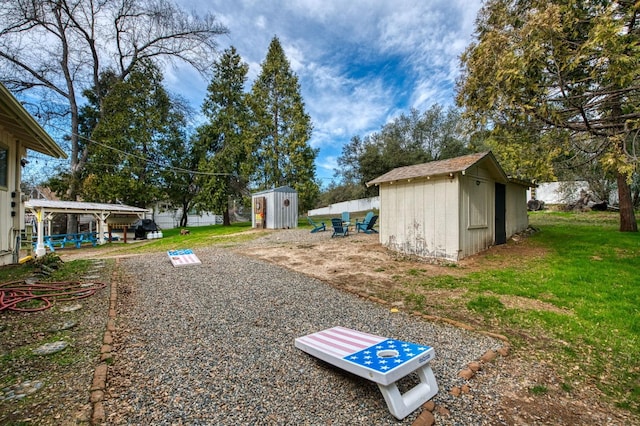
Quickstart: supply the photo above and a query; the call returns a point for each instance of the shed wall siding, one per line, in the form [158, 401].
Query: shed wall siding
[517, 219]
[421, 217]
[278, 216]
[475, 237]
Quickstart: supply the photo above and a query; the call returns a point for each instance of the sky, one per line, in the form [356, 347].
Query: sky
[360, 63]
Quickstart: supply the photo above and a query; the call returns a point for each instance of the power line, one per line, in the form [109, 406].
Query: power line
[148, 160]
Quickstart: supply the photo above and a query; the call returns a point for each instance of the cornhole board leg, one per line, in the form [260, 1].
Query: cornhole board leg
[379, 359]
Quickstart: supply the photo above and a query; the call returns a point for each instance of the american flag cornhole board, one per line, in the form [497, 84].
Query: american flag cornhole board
[379, 359]
[183, 257]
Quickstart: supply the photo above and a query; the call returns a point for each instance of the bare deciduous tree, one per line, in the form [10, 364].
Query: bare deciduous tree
[58, 48]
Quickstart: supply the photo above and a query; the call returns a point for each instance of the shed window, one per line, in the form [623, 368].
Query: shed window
[4, 167]
[478, 205]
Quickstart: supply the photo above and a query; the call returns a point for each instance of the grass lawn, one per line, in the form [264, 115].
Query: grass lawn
[589, 271]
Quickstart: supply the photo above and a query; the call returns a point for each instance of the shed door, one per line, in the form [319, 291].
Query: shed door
[501, 214]
[260, 212]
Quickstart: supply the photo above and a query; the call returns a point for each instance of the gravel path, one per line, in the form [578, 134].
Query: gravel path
[214, 344]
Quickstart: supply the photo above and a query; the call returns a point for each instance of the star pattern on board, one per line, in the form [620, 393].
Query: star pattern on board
[386, 355]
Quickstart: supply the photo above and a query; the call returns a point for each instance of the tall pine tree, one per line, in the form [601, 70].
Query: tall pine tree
[223, 139]
[282, 130]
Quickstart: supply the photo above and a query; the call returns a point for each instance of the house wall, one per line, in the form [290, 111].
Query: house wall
[278, 215]
[421, 217]
[517, 219]
[10, 224]
[477, 212]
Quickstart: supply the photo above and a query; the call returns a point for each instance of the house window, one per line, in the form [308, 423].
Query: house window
[4, 167]
[478, 198]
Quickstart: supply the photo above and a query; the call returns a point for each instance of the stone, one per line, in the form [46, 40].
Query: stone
[98, 413]
[429, 405]
[50, 348]
[465, 388]
[466, 374]
[71, 308]
[97, 395]
[443, 411]
[91, 277]
[425, 418]
[455, 391]
[99, 377]
[504, 351]
[474, 366]
[488, 356]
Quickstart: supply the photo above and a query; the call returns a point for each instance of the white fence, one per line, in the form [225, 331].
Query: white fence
[171, 219]
[360, 205]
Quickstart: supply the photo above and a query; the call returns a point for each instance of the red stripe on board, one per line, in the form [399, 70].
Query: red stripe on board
[370, 338]
[341, 348]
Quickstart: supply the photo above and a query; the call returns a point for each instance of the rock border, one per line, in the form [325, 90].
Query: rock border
[99, 384]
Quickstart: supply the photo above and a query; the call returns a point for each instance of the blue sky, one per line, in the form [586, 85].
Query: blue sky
[359, 63]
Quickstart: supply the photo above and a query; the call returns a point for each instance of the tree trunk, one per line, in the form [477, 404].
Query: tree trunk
[226, 218]
[627, 216]
[184, 218]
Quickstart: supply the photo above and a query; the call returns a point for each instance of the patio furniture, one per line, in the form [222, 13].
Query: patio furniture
[316, 226]
[338, 228]
[368, 227]
[382, 360]
[363, 224]
[346, 219]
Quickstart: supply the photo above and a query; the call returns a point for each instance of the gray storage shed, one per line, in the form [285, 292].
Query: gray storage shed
[451, 208]
[275, 208]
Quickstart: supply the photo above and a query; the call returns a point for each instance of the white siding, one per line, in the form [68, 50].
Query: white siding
[281, 207]
[477, 213]
[421, 217]
[10, 225]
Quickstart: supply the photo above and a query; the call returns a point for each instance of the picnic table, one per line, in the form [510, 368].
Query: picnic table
[76, 240]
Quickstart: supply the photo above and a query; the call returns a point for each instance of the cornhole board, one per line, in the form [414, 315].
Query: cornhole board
[379, 359]
[183, 257]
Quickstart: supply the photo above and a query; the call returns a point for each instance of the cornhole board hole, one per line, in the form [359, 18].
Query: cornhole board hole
[183, 257]
[379, 359]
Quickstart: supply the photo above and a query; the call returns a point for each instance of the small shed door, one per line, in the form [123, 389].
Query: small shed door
[260, 211]
[501, 214]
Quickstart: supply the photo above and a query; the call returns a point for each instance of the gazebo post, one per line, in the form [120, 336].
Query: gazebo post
[102, 225]
[40, 248]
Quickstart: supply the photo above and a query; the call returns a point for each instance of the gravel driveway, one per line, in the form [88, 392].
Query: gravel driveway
[214, 344]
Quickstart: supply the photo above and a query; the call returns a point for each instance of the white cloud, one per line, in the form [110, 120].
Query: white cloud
[359, 63]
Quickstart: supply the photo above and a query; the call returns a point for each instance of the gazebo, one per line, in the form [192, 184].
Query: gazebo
[116, 213]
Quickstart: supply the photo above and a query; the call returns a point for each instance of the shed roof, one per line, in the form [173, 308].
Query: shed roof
[442, 167]
[24, 127]
[284, 188]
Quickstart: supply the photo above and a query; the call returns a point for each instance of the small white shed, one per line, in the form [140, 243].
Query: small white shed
[450, 209]
[275, 208]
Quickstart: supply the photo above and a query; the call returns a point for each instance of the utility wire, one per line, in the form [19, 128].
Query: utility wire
[177, 169]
